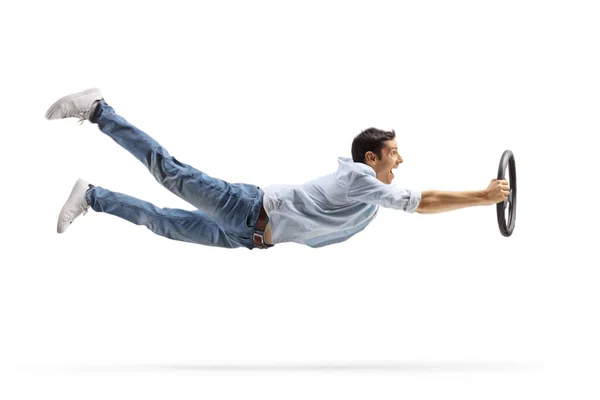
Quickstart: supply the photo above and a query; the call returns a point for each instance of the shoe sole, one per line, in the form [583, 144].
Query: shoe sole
[70, 199]
[57, 103]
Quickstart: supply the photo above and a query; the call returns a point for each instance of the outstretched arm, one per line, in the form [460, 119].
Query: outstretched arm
[436, 201]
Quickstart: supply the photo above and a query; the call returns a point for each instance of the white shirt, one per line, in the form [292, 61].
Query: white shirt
[334, 207]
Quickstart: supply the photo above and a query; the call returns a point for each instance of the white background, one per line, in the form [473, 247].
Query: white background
[416, 306]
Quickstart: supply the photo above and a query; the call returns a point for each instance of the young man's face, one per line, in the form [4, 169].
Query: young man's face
[390, 159]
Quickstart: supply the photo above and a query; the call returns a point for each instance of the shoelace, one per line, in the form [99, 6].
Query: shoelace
[80, 113]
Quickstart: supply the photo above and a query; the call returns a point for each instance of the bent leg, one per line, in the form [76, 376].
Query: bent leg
[229, 204]
[187, 226]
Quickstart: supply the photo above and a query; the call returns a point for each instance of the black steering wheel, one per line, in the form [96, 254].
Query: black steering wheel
[507, 210]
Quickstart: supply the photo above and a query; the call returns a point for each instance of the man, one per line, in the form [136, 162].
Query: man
[323, 211]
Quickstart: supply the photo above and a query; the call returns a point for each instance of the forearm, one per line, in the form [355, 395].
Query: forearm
[437, 201]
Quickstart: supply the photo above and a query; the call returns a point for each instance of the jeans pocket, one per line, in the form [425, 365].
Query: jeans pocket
[251, 218]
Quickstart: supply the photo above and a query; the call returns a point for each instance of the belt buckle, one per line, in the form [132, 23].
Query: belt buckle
[261, 239]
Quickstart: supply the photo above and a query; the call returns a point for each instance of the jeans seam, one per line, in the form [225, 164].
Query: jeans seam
[151, 213]
[170, 157]
[253, 198]
[170, 161]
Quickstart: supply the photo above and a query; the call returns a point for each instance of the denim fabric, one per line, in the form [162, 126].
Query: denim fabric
[226, 213]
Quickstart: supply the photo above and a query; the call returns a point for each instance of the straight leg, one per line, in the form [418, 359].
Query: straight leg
[235, 207]
[188, 226]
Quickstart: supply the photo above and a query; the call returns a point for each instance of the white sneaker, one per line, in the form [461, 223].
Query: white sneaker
[78, 105]
[75, 205]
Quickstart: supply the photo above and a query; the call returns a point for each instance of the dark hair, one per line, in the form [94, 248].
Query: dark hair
[370, 140]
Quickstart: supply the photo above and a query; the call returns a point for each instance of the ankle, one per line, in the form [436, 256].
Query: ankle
[95, 110]
[87, 195]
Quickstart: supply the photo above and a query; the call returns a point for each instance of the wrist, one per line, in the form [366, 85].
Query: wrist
[484, 195]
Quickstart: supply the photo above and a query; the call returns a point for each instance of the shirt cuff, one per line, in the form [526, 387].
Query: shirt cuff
[413, 201]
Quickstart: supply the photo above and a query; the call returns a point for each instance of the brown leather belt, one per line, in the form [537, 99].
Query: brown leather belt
[261, 224]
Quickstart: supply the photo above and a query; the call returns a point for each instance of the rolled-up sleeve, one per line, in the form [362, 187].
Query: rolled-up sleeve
[368, 189]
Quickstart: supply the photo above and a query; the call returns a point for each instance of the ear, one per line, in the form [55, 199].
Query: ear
[370, 157]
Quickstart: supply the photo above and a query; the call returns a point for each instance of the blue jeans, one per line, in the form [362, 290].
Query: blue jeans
[226, 214]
